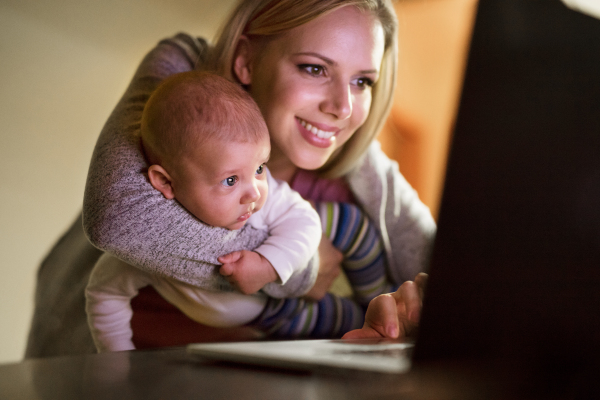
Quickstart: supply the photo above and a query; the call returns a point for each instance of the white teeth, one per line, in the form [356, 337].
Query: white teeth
[316, 131]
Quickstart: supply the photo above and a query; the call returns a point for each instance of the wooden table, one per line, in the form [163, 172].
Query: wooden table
[174, 374]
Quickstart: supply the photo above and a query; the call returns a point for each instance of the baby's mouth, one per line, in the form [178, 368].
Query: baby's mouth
[245, 216]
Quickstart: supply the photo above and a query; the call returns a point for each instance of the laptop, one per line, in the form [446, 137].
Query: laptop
[515, 271]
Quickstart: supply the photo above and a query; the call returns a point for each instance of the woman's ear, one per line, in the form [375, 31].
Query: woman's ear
[161, 181]
[242, 61]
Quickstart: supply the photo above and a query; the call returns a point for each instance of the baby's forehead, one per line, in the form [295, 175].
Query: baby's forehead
[246, 137]
[219, 144]
[217, 157]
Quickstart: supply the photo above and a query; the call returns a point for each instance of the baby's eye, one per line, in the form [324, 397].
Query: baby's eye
[260, 169]
[229, 181]
[363, 83]
[312, 69]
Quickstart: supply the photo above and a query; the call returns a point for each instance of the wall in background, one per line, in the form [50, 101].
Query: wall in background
[64, 66]
[434, 37]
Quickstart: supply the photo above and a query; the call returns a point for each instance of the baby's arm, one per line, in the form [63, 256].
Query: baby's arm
[294, 235]
[112, 285]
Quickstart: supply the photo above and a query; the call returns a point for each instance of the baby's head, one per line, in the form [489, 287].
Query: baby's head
[206, 142]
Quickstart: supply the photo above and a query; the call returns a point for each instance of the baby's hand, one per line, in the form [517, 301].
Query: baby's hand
[247, 270]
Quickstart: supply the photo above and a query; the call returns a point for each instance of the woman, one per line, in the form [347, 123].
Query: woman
[322, 73]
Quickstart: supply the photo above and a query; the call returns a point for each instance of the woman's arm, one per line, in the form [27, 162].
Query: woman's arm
[125, 216]
[329, 268]
[405, 223]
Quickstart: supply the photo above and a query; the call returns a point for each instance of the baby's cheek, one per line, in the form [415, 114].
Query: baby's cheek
[264, 193]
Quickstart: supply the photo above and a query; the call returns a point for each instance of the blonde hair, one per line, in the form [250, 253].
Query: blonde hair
[189, 108]
[271, 17]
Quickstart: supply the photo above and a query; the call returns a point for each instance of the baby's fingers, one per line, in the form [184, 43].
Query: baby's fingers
[230, 258]
[226, 269]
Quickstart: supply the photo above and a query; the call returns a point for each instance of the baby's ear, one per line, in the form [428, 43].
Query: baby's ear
[161, 180]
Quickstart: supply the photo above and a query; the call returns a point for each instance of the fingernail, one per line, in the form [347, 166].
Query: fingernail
[392, 331]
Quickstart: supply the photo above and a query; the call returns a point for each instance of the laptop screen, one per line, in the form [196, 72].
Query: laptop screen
[515, 271]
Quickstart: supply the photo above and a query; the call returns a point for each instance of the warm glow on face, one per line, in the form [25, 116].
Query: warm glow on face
[313, 84]
[223, 183]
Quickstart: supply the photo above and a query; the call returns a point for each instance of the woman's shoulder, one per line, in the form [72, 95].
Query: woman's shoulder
[376, 176]
[175, 54]
[373, 166]
[195, 49]
[375, 158]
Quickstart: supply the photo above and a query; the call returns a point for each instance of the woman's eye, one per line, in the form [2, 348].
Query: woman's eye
[229, 181]
[260, 169]
[363, 83]
[312, 69]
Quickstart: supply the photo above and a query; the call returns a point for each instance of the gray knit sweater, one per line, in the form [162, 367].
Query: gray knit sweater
[126, 217]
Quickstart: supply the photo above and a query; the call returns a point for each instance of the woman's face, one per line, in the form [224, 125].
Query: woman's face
[313, 83]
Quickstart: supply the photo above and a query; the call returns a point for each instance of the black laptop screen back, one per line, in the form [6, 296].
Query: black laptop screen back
[515, 271]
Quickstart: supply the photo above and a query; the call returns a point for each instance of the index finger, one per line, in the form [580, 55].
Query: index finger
[408, 301]
[421, 282]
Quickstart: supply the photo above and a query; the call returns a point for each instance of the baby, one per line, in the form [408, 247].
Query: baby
[207, 145]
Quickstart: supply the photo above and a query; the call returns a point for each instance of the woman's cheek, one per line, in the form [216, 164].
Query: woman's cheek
[363, 109]
[293, 96]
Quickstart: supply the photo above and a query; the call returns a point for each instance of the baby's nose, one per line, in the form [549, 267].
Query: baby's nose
[251, 196]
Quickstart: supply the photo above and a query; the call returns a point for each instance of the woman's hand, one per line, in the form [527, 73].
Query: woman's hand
[394, 315]
[330, 267]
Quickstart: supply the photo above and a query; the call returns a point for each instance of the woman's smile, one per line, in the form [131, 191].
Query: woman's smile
[317, 129]
[317, 134]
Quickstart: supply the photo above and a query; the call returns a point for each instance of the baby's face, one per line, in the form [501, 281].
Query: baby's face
[222, 183]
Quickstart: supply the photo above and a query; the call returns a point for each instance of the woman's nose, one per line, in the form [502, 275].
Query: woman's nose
[338, 101]
[251, 195]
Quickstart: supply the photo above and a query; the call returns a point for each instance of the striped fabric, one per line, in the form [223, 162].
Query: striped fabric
[330, 317]
[364, 264]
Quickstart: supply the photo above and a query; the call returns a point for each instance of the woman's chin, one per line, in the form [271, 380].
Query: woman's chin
[310, 163]
[303, 156]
